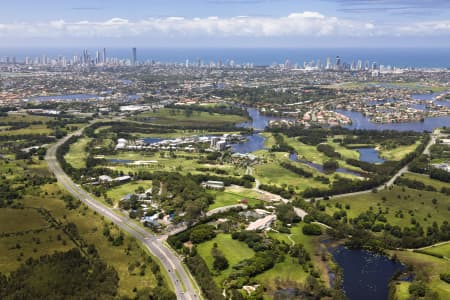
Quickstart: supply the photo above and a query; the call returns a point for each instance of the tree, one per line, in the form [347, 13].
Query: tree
[312, 229]
[220, 263]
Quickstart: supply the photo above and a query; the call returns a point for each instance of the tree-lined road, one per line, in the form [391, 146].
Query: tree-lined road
[181, 280]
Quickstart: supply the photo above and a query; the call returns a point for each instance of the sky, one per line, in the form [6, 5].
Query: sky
[225, 23]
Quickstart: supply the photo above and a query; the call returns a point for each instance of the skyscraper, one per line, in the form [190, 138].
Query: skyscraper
[328, 66]
[134, 57]
[104, 55]
[338, 62]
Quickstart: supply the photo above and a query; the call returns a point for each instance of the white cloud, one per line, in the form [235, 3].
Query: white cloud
[304, 24]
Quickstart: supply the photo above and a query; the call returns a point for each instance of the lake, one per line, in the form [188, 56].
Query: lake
[253, 143]
[366, 274]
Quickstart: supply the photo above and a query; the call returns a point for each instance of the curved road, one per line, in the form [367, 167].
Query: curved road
[181, 280]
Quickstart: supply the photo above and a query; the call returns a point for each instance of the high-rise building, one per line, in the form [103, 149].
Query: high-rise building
[338, 62]
[360, 65]
[104, 56]
[134, 57]
[329, 65]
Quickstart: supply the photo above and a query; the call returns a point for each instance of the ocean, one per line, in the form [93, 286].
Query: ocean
[399, 57]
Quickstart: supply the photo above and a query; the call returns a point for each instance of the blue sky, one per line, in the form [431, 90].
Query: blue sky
[230, 23]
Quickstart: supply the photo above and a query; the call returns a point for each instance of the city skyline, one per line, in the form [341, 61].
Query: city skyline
[220, 23]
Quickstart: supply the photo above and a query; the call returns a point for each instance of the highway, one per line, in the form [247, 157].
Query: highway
[181, 280]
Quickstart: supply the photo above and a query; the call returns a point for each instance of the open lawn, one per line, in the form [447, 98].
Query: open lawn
[15, 249]
[399, 152]
[32, 129]
[16, 220]
[427, 180]
[310, 153]
[401, 290]
[397, 201]
[116, 193]
[443, 249]
[290, 272]
[235, 251]
[44, 240]
[90, 226]
[177, 117]
[273, 173]
[77, 153]
[416, 86]
[231, 198]
[183, 163]
[427, 268]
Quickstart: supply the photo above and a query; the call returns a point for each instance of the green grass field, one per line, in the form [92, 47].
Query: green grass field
[273, 173]
[168, 116]
[32, 129]
[290, 272]
[399, 152]
[16, 220]
[412, 203]
[427, 180]
[443, 249]
[15, 249]
[401, 290]
[90, 225]
[77, 153]
[116, 193]
[234, 251]
[231, 198]
[426, 268]
[183, 163]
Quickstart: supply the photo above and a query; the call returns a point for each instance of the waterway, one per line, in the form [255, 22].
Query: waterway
[359, 121]
[366, 274]
[259, 121]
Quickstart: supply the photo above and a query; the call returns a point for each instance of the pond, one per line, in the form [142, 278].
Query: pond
[369, 155]
[253, 143]
[366, 274]
[293, 157]
[120, 161]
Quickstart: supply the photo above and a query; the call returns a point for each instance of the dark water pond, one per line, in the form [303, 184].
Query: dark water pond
[366, 274]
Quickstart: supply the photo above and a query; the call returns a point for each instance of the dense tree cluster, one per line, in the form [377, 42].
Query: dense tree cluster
[60, 276]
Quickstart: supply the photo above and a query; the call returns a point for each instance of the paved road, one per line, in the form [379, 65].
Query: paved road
[183, 286]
